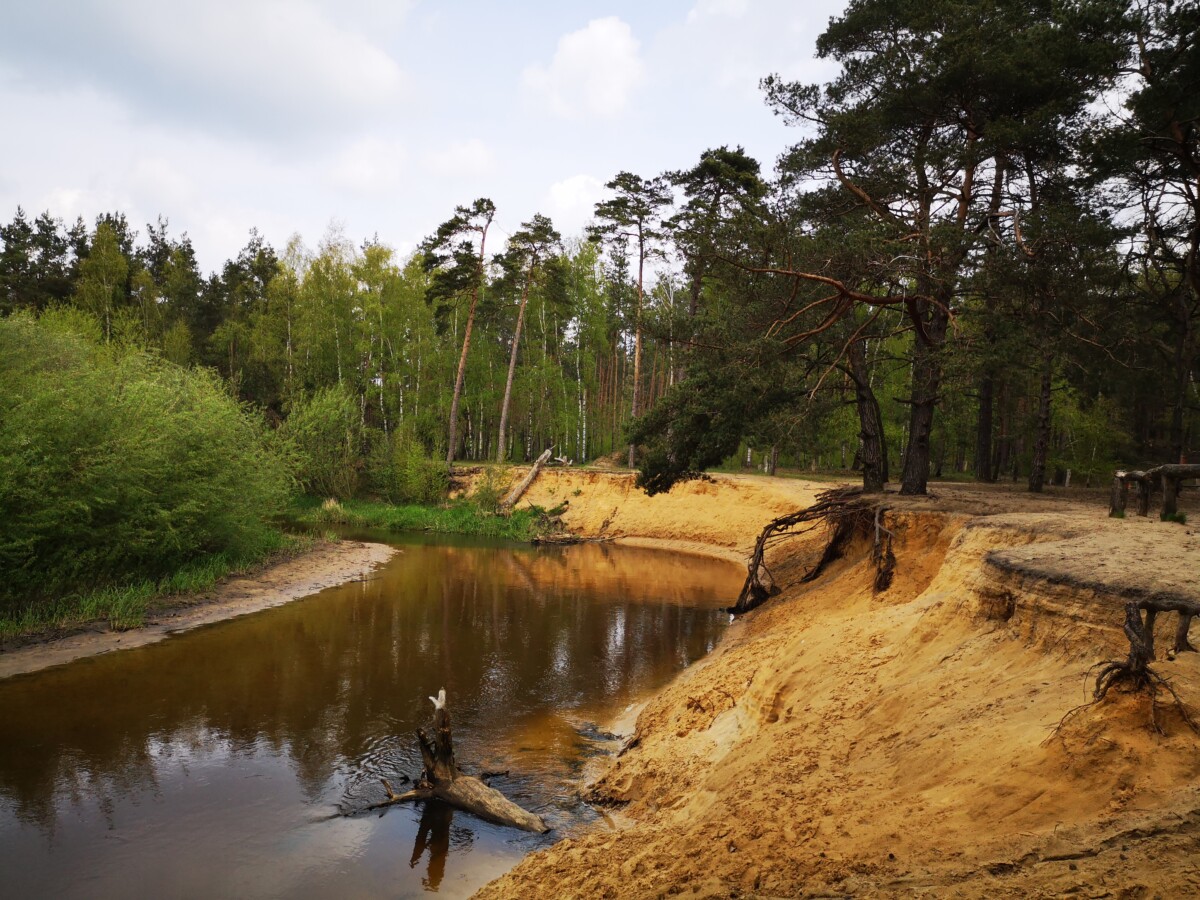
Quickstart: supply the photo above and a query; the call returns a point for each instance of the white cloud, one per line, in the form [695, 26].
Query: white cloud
[264, 65]
[733, 9]
[571, 202]
[368, 165]
[468, 158]
[593, 73]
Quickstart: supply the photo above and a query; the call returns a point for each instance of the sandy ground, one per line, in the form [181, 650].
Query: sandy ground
[846, 743]
[326, 566]
[720, 516]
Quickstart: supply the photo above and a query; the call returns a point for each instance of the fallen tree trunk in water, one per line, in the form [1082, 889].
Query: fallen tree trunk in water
[443, 780]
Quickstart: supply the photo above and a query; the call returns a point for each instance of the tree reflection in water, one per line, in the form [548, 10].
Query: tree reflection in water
[212, 744]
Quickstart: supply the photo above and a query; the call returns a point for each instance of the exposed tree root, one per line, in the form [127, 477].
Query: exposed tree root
[847, 514]
[1133, 675]
[882, 555]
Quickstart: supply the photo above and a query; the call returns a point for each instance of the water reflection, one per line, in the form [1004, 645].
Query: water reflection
[234, 742]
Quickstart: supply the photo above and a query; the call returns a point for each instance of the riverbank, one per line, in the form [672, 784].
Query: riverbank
[455, 517]
[720, 515]
[841, 742]
[324, 566]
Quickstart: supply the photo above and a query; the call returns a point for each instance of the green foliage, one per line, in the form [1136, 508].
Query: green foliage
[489, 490]
[117, 466]
[325, 432]
[126, 606]
[401, 472]
[457, 517]
[1180, 517]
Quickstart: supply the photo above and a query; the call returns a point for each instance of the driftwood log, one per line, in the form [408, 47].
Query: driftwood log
[519, 491]
[443, 780]
[1168, 477]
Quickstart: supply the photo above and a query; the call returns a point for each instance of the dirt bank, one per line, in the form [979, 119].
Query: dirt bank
[846, 743]
[326, 566]
[720, 516]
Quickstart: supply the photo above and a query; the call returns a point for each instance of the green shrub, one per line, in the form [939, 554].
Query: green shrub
[489, 489]
[325, 433]
[119, 466]
[402, 473]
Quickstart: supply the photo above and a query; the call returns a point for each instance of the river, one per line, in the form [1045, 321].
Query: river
[236, 759]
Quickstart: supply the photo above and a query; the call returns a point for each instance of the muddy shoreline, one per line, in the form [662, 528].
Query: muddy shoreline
[278, 583]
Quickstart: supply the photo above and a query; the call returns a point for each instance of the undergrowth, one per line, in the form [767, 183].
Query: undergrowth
[125, 606]
[454, 517]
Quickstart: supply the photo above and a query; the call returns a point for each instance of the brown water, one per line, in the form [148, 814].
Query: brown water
[235, 760]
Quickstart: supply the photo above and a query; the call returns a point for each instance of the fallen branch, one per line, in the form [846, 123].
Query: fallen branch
[1169, 477]
[443, 780]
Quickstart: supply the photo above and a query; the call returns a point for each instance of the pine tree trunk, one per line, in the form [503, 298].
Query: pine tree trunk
[637, 347]
[452, 432]
[501, 452]
[983, 431]
[870, 419]
[926, 380]
[1037, 474]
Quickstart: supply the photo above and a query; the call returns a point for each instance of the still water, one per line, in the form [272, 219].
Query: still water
[235, 760]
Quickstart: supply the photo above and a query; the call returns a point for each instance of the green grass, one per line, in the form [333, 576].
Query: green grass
[454, 517]
[1179, 517]
[126, 606]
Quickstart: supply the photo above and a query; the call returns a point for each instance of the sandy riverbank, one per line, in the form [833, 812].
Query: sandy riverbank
[282, 582]
[845, 743]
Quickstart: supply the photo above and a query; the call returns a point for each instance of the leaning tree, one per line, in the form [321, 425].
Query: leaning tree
[454, 258]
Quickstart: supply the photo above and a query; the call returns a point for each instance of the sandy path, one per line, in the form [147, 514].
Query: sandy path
[326, 566]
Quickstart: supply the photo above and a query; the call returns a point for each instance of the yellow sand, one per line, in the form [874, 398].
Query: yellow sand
[842, 743]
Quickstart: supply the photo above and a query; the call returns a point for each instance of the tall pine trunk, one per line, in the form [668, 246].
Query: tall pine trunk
[983, 432]
[1041, 444]
[637, 345]
[923, 400]
[452, 435]
[870, 419]
[502, 450]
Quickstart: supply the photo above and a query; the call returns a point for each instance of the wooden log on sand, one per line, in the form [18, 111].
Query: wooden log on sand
[443, 780]
[1170, 477]
[519, 491]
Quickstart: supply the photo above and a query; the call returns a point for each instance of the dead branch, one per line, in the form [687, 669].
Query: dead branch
[1169, 477]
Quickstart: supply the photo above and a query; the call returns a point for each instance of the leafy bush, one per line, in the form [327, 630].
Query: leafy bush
[490, 490]
[121, 466]
[402, 473]
[326, 434]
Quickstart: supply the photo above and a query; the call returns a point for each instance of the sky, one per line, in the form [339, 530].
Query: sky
[377, 118]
